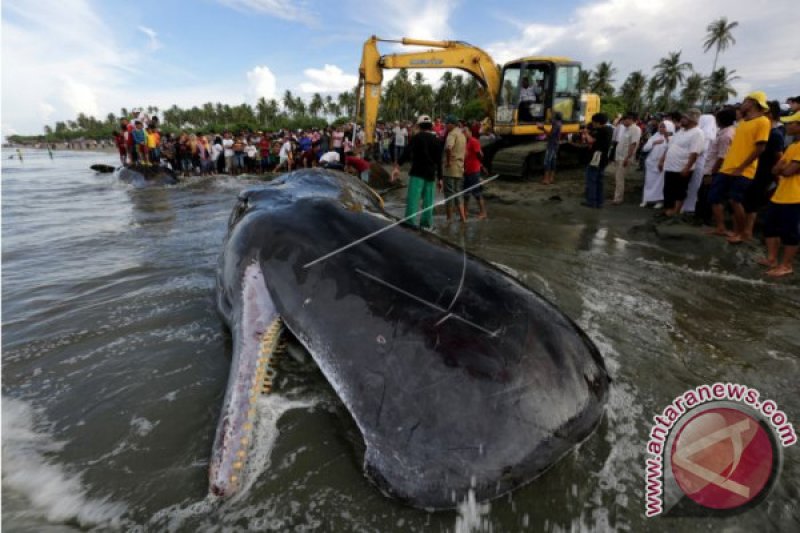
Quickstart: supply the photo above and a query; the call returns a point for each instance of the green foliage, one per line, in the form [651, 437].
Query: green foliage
[600, 80]
[612, 106]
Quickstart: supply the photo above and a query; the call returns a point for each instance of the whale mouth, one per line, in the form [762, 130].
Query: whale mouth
[256, 345]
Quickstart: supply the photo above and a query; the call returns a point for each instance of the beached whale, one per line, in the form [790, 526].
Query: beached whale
[456, 374]
[141, 176]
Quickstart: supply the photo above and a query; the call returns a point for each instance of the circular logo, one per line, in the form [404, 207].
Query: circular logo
[723, 458]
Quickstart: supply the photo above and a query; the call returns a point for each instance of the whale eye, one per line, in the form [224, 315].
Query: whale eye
[381, 339]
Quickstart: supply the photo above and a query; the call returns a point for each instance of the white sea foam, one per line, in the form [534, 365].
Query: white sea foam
[29, 472]
[704, 273]
[473, 516]
[269, 409]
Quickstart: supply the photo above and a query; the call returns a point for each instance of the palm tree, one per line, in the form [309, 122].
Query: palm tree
[261, 110]
[632, 90]
[670, 72]
[651, 92]
[720, 34]
[693, 90]
[601, 78]
[719, 86]
[583, 80]
[423, 95]
[316, 105]
[329, 103]
[288, 102]
[299, 106]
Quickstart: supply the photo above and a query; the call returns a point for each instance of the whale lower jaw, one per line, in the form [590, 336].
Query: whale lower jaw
[255, 339]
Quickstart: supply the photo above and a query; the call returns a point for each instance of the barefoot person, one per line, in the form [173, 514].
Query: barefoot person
[551, 155]
[783, 217]
[739, 166]
[472, 174]
[757, 194]
[679, 160]
[656, 146]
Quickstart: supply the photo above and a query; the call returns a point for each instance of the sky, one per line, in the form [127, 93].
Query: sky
[62, 57]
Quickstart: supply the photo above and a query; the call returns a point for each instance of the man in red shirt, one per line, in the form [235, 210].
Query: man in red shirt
[472, 173]
[357, 166]
[438, 128]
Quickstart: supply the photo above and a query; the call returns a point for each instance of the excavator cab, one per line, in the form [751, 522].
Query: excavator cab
[532, 90]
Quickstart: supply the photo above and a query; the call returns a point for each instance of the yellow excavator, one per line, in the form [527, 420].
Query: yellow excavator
[521, 98]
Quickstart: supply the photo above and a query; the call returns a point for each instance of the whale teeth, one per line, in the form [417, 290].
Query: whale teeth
[271, 345]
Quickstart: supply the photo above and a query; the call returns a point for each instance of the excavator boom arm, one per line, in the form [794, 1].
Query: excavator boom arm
[446, 54]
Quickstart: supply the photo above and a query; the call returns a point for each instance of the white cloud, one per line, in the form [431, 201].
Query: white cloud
[261, 82]
[61, 54]
[329, 78]
[46, 111]
[282, 9]
[394, 19]
[80, 96]
[154, 44]
[634, 35]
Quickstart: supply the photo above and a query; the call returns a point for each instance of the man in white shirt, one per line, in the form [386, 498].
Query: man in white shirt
[679, 160]
[625, 155]
[329, 158]
[285, 155]
[527, 96]
[708, 125]
[400, 135]
[227, 145]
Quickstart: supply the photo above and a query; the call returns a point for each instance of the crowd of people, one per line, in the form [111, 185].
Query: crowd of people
[696, 164]
[140, 142]
[445, 154]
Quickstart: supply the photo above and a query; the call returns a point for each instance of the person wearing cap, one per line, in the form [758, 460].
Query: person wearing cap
[679, 160]
[455, 149]
[653, 192]
[739, 167]
[627, 141]
[782, 225]
[425, 152]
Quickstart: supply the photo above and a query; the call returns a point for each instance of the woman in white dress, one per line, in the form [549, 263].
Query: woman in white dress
[653, 178]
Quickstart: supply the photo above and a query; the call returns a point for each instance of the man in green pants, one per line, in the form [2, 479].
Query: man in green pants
[425, 153]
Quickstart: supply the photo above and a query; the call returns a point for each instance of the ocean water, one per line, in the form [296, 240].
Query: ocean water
[114, 365]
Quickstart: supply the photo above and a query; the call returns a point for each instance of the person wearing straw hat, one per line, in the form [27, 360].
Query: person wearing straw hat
[739, 166]
[782, 225]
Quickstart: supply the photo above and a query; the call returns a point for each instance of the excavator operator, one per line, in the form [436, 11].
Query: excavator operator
[527, 96]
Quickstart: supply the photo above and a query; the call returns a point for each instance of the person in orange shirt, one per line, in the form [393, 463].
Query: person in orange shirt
[739, 167]
[782, 224]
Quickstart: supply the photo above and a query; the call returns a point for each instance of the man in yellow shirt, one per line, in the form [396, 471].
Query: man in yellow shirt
[739, 167]
[783, 218]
